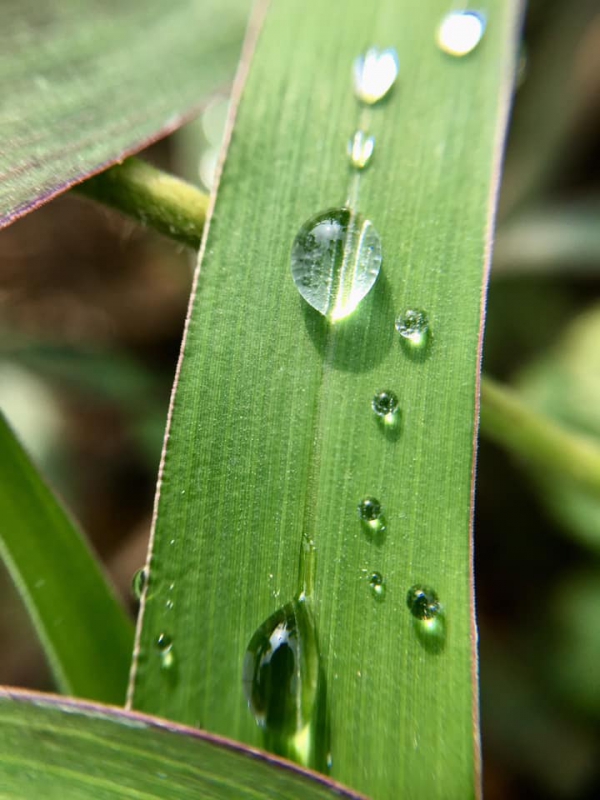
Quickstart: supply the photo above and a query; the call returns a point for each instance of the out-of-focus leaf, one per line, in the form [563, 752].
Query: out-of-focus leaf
[59, 749]
[85, 632]
[85, 83]
[565, 384]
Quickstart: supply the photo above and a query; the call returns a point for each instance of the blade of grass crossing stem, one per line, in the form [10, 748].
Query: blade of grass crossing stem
[85, 633]
[87, 751]
[272, 435]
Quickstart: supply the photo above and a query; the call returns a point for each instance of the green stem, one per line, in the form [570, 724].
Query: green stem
[508, 421]
[154, 198]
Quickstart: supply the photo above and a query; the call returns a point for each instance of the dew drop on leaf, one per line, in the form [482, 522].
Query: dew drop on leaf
[460, 32]
[429, 620]
[336, 258]
[377, 586]
[413, 327]
[385, 404]
[164, 644]
[372, 518]
[360, 149]
[138, 582]
[375, 73]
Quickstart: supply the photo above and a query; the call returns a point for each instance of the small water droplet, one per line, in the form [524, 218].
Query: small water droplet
[377, 586]
[460, 32]
[375, 73]
[169, 604]
[385, 404]
[281, 676]
[138, 582]
[372, 518]
[360, 149]
[413, 327]
[164, 643]
[429, 620]
[336, 258]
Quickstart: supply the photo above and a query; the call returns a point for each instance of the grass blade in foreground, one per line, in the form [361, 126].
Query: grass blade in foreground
[273, 436]
[88, 752]
[87, 83]
[85, 632]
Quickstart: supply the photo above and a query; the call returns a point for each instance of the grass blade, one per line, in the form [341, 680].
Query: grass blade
[86, 634]
[90, 751]
[87, 83]
[272, 437]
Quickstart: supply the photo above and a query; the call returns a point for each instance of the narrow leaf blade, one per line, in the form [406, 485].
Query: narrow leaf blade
[87, 83]
[89, 751]
[273, 437]
[85, 632]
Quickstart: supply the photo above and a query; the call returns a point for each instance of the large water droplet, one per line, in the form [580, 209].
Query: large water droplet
[138, 582]
[460, 32]
[375, 73]
[429, 620]
[336, 258]
[377, 586]
[360, 149]
[164, 644]
[413, 327]
[281, 673]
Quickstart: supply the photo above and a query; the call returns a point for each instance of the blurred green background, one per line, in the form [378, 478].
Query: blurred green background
[91, 315]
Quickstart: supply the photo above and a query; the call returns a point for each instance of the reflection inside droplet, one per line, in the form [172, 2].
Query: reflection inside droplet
[360, 149]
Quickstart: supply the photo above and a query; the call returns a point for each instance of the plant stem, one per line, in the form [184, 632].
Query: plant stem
[154, 198]
[508, 421]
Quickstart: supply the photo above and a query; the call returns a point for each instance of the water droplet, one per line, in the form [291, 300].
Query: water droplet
[138, 582]
[336, 258]
[413, 327]
[372, 518]
[281, 679]
[377, 585]
[385, 404]
[360, 149]
[164, 643]
[460, 32]
[422, 602]
[169, 604]
[375, 73]
[429, 621]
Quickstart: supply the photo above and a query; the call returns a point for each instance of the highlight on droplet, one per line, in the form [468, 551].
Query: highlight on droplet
[460, 32]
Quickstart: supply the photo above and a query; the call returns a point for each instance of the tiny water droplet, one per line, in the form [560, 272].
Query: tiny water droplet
[169, 604]
[377, 585]
[372, 518]
[375, 73]
[385, 404]
[460, 32]
[280, 676]
[429, 620]
[413, 327]
[336, 258]
[164, 643]
[360, 149]
[138, 582]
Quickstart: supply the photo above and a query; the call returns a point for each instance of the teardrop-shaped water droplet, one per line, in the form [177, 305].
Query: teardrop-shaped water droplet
[429, 620]
[375, 73]
[360, 149]
[281, 672]
[336, 258]
[413, 327]
[377, 586]
[164, 644]
[138, 582]
[460, 32]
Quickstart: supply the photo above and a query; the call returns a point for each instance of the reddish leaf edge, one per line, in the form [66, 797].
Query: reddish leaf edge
[172, 124]
[119, 715]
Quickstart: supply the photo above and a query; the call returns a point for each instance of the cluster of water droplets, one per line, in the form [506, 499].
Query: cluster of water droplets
[336, 259]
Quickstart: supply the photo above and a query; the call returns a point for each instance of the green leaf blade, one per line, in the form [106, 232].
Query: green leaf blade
[91, 83]
[85, 632]
[90, 751]
[273, 436]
